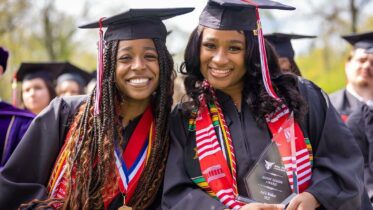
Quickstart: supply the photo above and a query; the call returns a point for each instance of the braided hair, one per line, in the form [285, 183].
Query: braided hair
[258, 100]
[91, 143]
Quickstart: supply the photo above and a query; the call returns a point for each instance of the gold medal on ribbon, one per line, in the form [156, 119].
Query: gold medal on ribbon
[124, 207]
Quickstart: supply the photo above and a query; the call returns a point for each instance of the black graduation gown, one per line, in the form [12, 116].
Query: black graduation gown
[26, 174]
[360, 123]
[338, 164]
[344, 102]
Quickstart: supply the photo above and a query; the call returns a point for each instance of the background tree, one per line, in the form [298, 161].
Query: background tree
[9, 21]
[324, 64]
[355, 6]
[57, 33]
[39, 33]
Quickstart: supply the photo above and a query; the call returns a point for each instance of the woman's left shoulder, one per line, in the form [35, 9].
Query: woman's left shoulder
[307, 85]
[61, 108]
[74, 101]
[312, 92]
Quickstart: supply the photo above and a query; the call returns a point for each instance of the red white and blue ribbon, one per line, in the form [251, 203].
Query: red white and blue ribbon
[132, 161]
[129, 173]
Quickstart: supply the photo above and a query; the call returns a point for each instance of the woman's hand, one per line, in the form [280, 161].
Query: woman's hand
[303, 201]
[262, 206]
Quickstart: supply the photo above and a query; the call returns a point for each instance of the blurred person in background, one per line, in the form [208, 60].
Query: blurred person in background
[72, 82]
[13, 121]
[284, 49]
[360, 123]
[92, 82]
[37, 89]
[359, 74]
[39, 79]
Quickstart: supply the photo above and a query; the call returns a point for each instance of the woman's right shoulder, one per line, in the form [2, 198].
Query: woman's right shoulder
[73, 101]
[61, 108]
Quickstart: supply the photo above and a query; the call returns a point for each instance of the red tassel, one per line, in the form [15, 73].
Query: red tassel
[100, 69]
[263, 59]
[14, 90]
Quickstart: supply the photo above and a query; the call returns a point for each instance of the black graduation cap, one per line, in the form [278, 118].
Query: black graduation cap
[361, 40]
[49, 71]
[235, 14]
[282, 43]
[138, 23]
[4, 54]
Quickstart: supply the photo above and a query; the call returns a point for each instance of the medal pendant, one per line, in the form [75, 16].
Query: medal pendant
[124, 207]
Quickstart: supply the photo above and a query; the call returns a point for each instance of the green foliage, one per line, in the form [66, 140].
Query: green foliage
[329, 75]
[367, 25]
[325, 66]
[8, 9]
[50, 39]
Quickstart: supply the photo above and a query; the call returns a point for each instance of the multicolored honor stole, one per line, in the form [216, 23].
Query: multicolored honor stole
[129, 165]
[58, 180]
[216, 153]
[295, 150]
[132, 161]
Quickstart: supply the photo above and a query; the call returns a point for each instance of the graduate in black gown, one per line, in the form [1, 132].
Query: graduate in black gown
[235, 109]
[72, 81]
[284, 49]
[106, 150]
[360, 123]
[13, 121]
[359, 74]
[37, 89]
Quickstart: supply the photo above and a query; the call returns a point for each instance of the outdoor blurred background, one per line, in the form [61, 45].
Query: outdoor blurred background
[46, 30]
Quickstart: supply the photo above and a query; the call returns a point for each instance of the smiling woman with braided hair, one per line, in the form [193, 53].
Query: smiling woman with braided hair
[106, 150]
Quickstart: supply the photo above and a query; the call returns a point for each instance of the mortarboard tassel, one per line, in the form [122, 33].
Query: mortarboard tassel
[263, 59]
[14, 90]
[100, 69]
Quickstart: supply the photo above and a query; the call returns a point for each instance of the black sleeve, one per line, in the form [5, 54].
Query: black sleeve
[337, 173]
[360, 123]
[179, 191]
[26, 174]
[357, 127]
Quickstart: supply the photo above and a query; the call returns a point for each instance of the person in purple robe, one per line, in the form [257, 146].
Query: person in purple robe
[13, 121]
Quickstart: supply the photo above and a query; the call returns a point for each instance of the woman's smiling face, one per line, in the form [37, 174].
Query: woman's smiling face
[137, 72]
[222, 58]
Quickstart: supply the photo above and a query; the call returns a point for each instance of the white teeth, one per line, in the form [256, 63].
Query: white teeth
[138, 80]
[220, 71]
